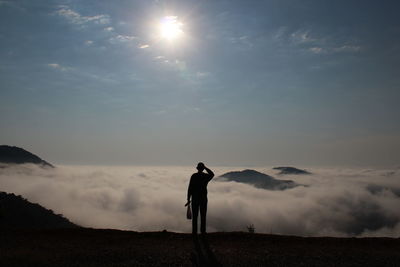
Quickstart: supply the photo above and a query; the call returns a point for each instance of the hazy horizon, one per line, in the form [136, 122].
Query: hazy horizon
[192, 163]
[302, 83]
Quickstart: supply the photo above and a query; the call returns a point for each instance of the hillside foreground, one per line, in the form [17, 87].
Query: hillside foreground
[96, 247]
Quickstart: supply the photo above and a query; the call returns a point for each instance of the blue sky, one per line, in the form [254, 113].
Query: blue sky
[311, 82]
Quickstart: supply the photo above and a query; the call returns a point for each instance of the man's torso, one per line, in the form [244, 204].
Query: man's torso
[199, 185]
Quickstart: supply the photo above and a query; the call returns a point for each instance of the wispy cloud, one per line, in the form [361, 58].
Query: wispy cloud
[108, 29]
[243, 41]
[88, 42]
[338, 49]
[316, 50]
[58, 67]
[54, 65]
[316, 44]
[76, 18]
[201, 74]
[347, 48]
[121, 39]
[78, 73]
[280, 33]
[302, 37]
[143, 46]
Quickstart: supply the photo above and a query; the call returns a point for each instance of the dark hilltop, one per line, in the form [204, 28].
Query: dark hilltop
[17, 155]
[290, 170]
[258, 179]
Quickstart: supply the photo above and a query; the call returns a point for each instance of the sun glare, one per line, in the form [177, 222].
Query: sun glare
[170, 28]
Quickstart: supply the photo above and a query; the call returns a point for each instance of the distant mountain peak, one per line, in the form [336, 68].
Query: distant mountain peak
[258, 179]
[291, 170]
[252, 172]
[17, 155]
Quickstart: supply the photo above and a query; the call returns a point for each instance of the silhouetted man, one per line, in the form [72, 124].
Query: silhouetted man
[198, 191]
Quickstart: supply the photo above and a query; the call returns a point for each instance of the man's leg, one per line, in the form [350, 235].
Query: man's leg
[203, 215]
[195, 214]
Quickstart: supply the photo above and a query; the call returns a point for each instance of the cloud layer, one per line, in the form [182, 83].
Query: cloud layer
[336, 202]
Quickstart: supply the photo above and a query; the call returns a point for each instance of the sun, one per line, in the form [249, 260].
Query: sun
[170, 28]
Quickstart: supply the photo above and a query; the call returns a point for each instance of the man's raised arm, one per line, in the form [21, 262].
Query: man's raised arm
[210, 173]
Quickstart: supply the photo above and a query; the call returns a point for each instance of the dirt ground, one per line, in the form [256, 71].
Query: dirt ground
[95, 247]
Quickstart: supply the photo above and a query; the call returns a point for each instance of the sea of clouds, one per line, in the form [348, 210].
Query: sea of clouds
[334, 202]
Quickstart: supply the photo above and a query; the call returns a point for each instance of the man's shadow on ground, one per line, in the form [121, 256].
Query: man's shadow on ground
[202, 254]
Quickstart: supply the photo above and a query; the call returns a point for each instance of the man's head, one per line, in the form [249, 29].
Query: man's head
[200, 166]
